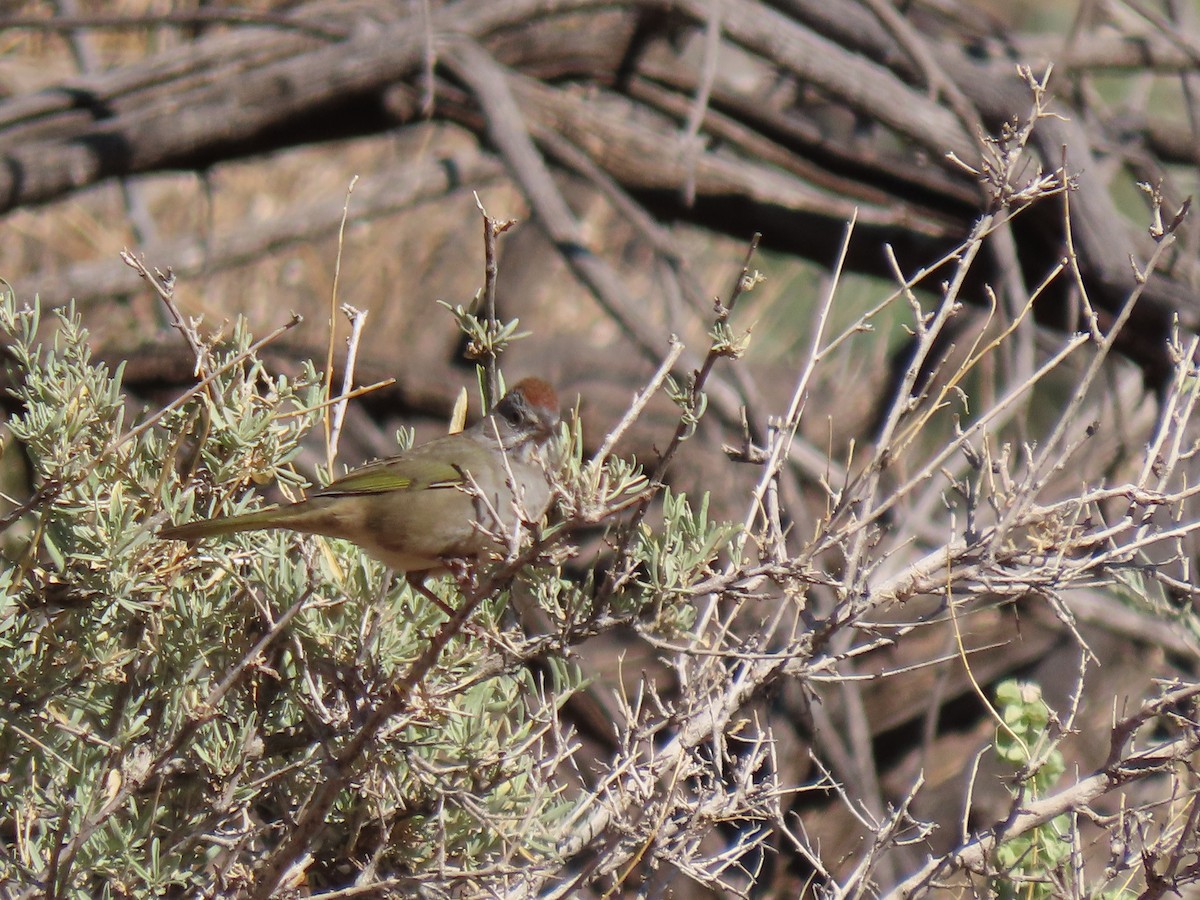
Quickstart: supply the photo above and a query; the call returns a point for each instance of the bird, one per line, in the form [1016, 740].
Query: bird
[435, 505]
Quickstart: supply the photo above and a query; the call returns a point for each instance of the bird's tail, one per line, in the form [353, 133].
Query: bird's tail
[255, 521]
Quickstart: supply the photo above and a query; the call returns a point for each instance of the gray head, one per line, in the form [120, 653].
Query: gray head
[527, 413]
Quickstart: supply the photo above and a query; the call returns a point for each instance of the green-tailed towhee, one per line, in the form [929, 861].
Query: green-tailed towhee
[434, 503]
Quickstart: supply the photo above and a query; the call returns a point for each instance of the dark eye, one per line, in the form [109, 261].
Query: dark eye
[512, 413]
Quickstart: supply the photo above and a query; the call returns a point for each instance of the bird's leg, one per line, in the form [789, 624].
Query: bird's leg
[461, 573]
[416, 581]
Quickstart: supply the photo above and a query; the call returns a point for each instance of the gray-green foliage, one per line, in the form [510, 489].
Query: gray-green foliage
[147, 746]
[1029, 861]
[166, 710]
[672, 557]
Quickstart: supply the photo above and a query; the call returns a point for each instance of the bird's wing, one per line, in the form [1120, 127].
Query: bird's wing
[409, 472]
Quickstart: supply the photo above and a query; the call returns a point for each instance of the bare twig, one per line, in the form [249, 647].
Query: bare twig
[358, 319]
[330, 442]
[164, 286]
